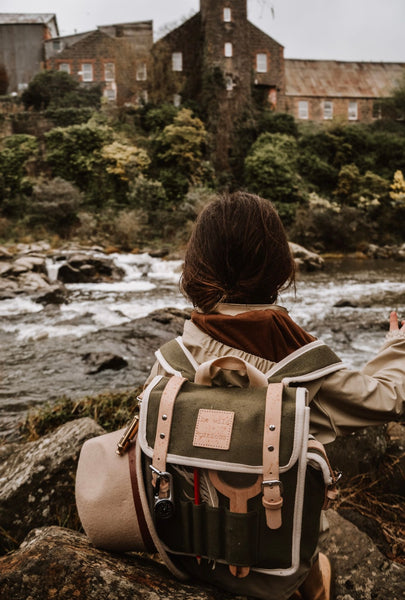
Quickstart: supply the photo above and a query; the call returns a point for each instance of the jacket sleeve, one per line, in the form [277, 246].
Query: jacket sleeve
[349, 400]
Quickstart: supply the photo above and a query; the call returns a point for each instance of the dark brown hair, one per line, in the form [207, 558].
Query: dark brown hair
[238, 252]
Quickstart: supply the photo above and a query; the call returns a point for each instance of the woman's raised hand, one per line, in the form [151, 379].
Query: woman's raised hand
[394, 325]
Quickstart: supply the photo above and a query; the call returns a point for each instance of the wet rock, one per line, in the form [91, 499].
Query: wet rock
[30, 263]
[342, 303]
[37, 481]
[305, 259]
[4, 253]
[55, 294]
[83, 268]
[100, 361]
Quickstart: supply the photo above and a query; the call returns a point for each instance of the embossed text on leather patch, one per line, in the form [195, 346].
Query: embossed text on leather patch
[213, 429]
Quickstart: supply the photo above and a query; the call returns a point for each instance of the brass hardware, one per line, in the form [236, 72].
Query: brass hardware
[128, 436]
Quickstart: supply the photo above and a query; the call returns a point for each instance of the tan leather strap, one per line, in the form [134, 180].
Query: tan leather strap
[331, 492]
[272, 487]
[164, 423]
[143, 527]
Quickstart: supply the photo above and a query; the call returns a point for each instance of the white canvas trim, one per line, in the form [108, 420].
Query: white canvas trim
[318, 462]
[166, 366]
[313, 374]
[187, 352]
[300, 406]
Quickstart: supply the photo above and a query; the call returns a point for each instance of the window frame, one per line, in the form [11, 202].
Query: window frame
[327, 106]
[259, 68]
[227, 14]
[110, 65]
[228, 50]
[303, 114]
[63, 70]
[141, 71]
[353, 115]
[177, 62]
[85, 76]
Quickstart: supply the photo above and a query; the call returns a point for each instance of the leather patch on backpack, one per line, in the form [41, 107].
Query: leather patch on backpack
[213, 429]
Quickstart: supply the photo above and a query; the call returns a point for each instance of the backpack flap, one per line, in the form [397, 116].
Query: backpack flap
[222, 428]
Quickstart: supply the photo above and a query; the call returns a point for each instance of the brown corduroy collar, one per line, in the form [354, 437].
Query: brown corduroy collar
[267, 333]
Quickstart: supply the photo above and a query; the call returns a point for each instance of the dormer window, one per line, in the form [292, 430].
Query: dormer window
[227, 15]
[228, 50]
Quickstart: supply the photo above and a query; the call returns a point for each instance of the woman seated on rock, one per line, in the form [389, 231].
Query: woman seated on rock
[237, 261]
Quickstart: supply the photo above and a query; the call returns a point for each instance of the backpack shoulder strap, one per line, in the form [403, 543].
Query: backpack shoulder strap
[311, 362]
[176, 359]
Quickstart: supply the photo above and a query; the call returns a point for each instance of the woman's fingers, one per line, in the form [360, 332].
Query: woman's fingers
[394, 321]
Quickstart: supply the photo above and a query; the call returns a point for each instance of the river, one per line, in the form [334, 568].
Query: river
[347, 305]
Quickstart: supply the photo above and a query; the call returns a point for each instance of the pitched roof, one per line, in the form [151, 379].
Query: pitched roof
[332, 78]
[24, 18]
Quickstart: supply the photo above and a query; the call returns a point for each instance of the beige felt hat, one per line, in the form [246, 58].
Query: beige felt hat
[111, 499]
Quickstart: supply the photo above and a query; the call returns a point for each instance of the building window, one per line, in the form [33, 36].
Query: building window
[109, 71]
[228, 50]
[177, 61]
[142, 97]
[176, 100]
[352, 111]
[110, 92]
[327, 109]
[303, 109]
[227, 15]
[377, 110]
[261, 62]
[141, 72]
[57, 45]
[65, 67]
[229, 83]
[87, 72]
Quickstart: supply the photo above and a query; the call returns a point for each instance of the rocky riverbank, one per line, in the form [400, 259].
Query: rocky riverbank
[37, 508]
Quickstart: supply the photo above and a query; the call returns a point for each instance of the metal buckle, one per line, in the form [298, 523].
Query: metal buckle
[272, 482]
[163, 507]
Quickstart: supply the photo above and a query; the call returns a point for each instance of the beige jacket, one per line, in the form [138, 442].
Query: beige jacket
[342, 402]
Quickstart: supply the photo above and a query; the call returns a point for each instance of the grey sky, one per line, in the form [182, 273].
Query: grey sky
[331, 29]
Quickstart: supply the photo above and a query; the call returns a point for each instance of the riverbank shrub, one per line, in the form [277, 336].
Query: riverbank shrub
[18, 156]
[54, 205]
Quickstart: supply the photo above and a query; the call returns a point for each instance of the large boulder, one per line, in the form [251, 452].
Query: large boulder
[86, 268]
[54, 562]
[305, 259]
[37, 481]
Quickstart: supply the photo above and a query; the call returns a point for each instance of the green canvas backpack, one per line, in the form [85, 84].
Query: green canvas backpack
[232, 473]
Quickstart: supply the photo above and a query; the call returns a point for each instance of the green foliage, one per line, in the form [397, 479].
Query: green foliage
[63, 117]
[270, 171]
[156, 118]
[74, 154]
[178, 155]
[125, 161]
[54, 204]
[147, 194]
[324, 225]
[348, 184]
[57, 89]
[397, 193]
[17, 157]
[276, 122]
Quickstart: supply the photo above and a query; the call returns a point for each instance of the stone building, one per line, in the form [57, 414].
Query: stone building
[322, 90]
[115, 56]
[22, 38]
